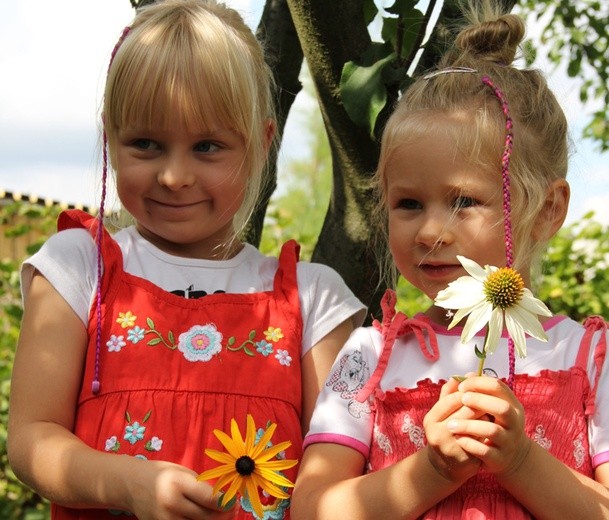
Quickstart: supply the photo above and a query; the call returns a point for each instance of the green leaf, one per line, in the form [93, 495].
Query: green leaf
[363, 91]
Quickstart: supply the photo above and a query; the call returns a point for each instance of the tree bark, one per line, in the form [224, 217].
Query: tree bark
[331, 34]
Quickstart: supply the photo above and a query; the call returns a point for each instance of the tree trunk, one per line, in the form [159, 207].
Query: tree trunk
[331, 34]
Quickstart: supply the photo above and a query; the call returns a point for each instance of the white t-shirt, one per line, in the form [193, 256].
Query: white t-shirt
[340, 419]
[68, 261]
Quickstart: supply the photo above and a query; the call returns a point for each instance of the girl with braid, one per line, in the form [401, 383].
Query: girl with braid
[138, 349]
[471, 181]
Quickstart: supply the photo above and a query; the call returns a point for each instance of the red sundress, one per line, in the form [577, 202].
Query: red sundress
[171, 369]
[557, 405]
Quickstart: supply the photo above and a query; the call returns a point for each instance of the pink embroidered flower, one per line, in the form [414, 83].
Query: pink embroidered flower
[200, 343]
[284, 358]
[273, 334]
[115, 343]
[126, 319]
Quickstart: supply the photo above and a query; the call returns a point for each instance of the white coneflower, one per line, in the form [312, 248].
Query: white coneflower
[497, 297]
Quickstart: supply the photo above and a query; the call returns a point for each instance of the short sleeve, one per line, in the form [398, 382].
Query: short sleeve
[67, 261]
[338, 417]
[326, 302]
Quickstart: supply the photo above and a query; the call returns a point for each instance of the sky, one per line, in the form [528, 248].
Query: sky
[53, 63]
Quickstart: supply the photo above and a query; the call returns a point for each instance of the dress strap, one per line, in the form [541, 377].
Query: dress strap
[110, 259]
[592, 325]
[111, 253]
[286, 281]
[394, 325]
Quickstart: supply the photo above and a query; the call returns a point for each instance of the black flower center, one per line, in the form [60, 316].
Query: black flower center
[245, 466]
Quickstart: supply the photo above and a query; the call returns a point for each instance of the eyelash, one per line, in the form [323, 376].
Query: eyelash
[462, 202]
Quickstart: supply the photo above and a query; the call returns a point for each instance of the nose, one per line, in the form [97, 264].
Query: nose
[175, 173]
[435, 230]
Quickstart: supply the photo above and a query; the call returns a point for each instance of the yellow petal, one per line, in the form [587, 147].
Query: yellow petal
[236, 435]
[220, 456]
[269, 487]
[235, 486]
[250, 435]
[216, 472]
[274, 477]
[269, 453]
[264, 440]
[252, 494]
[277, 465]
[235, 449]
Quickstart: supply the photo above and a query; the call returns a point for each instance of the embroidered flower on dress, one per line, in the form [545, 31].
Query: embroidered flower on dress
[264, 348]
[134, 432]
[200, 343]
[112, 444]
[115, 344]
[126, 319]
[154, 444]
[284, 358]
[136, 334]
[273, 334]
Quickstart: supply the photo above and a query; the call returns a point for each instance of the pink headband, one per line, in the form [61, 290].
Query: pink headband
[505, 174]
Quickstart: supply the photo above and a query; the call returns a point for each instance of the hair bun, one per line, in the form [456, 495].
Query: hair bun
[495, 41]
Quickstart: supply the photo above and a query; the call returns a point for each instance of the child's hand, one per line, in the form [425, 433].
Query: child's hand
[167, 491]
[501, 443]
[446, 455]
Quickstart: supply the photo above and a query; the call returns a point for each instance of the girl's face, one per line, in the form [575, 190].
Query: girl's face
[183, 188]
[441, 206]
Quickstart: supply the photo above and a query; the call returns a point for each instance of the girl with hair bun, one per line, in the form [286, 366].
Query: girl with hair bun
[472, 173]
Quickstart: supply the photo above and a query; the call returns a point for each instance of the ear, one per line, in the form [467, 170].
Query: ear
[554, 210]
[269, 133]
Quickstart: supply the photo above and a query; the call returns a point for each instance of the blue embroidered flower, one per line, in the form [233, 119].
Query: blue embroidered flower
[264, 347]
[115, 343]
[273, 511]
[134, 432]
[135, 334]
[200, 343]
[284, 358]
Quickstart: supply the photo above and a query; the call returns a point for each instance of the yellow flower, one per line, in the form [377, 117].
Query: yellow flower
[126, 319]
[273, 334]
[247, 465]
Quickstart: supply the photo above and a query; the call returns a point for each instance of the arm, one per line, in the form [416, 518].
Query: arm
[45, 454]
[331, 476]
[539, 481]
[316, 365]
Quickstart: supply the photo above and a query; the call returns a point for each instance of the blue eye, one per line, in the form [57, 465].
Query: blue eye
[145, 144]
[464, 202]
[206, 147]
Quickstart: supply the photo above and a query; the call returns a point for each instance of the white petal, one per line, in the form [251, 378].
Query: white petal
[473, 268]
[477, 320]
[529, 322]
[463, 292]
[533, 305]
[516, 332]
[495, 328]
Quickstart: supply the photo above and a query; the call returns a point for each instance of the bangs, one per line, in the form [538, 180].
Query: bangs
[175, 68]
[478, 135]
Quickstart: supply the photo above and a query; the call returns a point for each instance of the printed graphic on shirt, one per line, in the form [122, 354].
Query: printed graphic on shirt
[348, 378]
[191, 294]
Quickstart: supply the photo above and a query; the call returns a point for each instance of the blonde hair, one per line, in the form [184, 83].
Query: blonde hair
[199, 56]
[540, 150]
